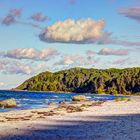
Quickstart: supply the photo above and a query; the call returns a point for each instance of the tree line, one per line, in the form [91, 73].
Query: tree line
[82, 80]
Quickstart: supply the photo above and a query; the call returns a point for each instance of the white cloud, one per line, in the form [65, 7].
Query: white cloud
[31, 53]
[131, 12]
[70, 59]
[109, 51]
[15, 67]
[21, 67]
[71, 31]
[77, 60]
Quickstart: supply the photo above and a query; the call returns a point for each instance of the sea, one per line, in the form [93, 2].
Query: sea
[31, 100]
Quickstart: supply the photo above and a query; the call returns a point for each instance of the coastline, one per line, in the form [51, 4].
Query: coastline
[72, 92]
[40, 91]
[123, 118]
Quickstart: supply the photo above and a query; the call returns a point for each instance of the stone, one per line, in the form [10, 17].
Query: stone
[79, 98]
[9, 103]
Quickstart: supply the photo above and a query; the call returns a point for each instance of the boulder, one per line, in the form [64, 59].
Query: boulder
[9, 103]
[79, 98]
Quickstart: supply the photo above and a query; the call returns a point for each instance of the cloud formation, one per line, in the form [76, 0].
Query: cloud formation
[39, 17]
[132, 12]
[70, 59]
[81, 32]
[15, 67]
[8, 20]
[19, 68]
[77, 60]
[9, 66]
[11, 17]
[71, 31]
[109, 51]
[31, 53]
[15, 12]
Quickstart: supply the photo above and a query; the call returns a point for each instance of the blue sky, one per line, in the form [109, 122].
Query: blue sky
[86, 33]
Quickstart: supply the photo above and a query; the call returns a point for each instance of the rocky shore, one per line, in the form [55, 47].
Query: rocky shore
[85, 120]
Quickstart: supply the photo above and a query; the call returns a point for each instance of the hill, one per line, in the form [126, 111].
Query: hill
[81, 80]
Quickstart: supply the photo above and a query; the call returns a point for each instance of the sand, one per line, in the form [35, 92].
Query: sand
[110, 120]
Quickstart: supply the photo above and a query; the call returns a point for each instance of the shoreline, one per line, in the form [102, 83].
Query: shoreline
[95, 121]
[57, 104]
[57, 92]
[38, 91]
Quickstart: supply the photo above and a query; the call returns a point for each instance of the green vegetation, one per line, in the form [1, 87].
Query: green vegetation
[81, 80]
[122, 99]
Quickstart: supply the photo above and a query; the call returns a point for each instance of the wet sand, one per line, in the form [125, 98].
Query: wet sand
[110, 120]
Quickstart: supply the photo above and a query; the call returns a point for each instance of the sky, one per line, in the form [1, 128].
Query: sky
[51, 35]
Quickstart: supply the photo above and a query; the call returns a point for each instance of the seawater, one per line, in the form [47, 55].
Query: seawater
[30, 100]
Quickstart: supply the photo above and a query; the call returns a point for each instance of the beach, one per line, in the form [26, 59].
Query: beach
[109, 120]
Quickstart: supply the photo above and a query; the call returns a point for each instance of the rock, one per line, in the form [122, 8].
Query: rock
[79, 98]
[71, 109]
[62, 103]
[52, 103]
[48, 113]
[9, 103]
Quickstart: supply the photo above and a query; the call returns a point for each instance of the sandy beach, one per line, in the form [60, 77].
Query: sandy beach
[110, 120]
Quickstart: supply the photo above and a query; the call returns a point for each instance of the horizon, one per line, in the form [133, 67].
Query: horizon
[42, 36]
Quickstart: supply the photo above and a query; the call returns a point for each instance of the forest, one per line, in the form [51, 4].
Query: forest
[81, 80]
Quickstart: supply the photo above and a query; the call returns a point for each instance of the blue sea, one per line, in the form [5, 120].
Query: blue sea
[29, 100]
